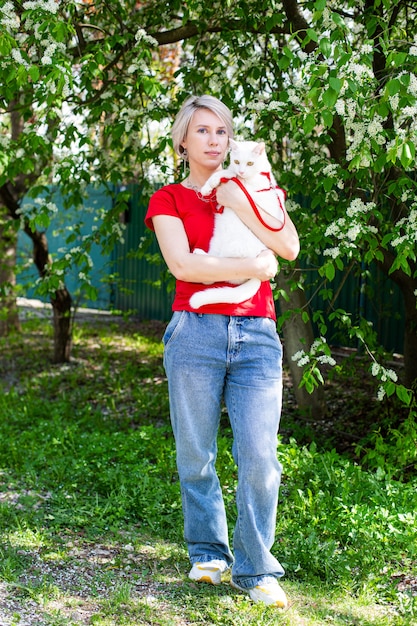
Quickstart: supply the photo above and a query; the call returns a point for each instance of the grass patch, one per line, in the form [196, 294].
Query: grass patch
[90, 510]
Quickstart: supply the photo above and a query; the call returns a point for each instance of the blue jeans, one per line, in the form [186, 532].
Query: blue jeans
[208, 358]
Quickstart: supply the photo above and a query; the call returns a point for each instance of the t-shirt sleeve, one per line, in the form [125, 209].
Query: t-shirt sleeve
[162, 202]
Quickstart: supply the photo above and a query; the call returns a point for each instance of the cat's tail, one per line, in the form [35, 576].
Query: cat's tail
[226, 295]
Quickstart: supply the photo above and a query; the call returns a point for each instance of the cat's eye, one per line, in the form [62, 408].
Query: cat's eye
[250, 163]
[237, 162]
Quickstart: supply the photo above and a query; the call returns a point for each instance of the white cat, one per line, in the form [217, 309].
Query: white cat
[231, 237]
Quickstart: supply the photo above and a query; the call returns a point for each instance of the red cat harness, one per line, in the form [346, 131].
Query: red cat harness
[252, 203]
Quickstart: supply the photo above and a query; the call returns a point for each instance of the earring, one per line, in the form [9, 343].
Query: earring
[184, 156]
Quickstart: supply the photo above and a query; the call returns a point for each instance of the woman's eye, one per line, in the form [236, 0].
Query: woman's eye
[221, 132]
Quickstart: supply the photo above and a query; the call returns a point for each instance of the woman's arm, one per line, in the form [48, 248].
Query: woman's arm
[196, 268]
[284, 242]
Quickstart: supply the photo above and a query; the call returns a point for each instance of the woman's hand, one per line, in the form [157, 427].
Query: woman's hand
[230, 195]
[266, 265]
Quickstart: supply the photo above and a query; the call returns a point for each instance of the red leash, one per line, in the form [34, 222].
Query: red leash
[254, 207]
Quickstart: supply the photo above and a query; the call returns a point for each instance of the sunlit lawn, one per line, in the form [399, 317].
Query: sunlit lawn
[90, 514]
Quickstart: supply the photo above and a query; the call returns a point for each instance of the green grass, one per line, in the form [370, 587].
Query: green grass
[90, 512]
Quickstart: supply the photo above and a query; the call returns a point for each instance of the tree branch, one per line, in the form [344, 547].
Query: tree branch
[299, 24]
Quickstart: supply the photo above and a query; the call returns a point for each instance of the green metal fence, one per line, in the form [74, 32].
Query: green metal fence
[138, 286]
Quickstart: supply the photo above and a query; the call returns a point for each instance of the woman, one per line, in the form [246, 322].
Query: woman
[227, 352]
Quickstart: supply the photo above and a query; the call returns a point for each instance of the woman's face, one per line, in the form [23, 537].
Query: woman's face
[206, 141]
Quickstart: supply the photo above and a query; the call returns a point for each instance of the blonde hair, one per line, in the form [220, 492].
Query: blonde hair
[185, 114]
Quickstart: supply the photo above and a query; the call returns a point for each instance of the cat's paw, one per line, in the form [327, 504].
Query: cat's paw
[198, 251]
[206, 189]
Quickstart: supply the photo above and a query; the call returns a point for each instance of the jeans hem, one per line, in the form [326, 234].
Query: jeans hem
[250, 583]
[206, 558]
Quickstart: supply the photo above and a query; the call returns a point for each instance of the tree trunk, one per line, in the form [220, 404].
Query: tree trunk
[61, 300]
[410, 334]
[11, 194]
[9, 315]
[408, 287]
[61, 305]
[298, 335]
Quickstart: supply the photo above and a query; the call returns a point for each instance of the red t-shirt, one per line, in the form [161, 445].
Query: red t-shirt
[197, 215]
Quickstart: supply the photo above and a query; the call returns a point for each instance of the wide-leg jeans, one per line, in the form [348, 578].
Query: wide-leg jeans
[209, 358]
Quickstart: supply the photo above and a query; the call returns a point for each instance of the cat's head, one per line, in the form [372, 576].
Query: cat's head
[247, 158]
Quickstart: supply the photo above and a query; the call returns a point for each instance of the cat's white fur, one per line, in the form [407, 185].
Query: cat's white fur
[231, 237]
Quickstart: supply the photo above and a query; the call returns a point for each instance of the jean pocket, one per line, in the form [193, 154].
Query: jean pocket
[174, 327]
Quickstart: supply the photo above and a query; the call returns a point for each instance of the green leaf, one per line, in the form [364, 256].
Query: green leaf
[284, 62]
[335, 83]
[6, 44]
[337, 19]
[325, 46]
[328, 184]
[330, 97]
[312, 34]
[309, 123]
[60, 30]
[330, 271]
[21, 75]
[34, 73]
[408, 153]
[288, 52]
[305, 317]
[389, 388]
[393, 86]
[404, 394]
[327, 118]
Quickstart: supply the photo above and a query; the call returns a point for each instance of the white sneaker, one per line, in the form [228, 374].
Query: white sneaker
[209, 572]
[270, 593]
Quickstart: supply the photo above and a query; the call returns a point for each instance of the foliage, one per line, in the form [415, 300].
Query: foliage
[90, 88]
[90, 508]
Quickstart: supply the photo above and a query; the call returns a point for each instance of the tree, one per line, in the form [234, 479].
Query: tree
[329, 85]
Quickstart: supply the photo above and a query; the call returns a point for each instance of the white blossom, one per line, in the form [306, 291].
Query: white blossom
[412, 87]
[385, 374]
[394, 101]
[380, 394]
[357, 207]
[375, 369]
[9, 19]
[17, 56]
[293, 97]
[142, 35]
[332, 252]
[340, 107]
[330, 170]
[326, 359]
[46, 5]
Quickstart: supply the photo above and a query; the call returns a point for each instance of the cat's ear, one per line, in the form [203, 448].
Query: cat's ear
[232, 144]
[260, 147]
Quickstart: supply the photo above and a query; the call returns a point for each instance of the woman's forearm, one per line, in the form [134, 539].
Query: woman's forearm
[202, 268]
